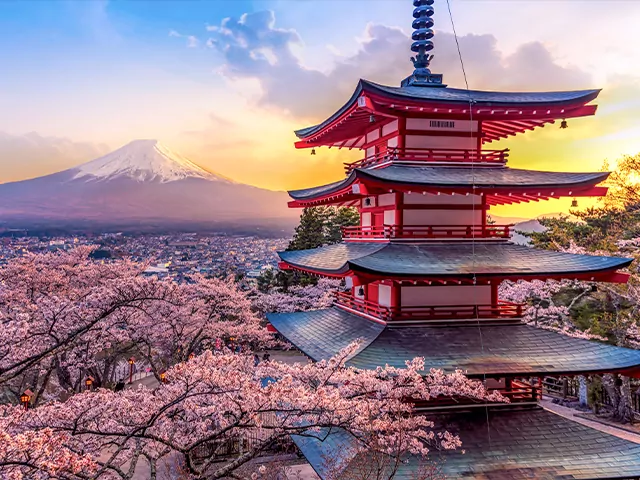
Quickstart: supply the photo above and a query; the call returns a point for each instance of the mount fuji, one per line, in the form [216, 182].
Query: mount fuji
[142, 186]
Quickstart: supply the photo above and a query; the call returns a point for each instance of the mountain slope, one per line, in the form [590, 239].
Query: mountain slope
[144, 160]
[142, 185]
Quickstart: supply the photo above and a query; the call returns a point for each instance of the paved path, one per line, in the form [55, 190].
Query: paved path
[570, 413]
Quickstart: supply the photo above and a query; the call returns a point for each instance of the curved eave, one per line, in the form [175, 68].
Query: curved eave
[500, 444]
[479, 350]
[438, 262]
[485, 98]
[351, 120]
[507, 192]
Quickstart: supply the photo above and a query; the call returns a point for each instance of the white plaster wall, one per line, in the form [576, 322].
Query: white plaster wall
[370, 151]
[386, 199]
[374, 135]
[418, 141]
[417, 198]
[442, 217]
[445, 295]
[392, 142]
[458, 125]
[384, 295]
[389, 217]
[390, 128]
[365, 219]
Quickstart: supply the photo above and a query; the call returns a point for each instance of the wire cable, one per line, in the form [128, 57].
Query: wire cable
[473, 208]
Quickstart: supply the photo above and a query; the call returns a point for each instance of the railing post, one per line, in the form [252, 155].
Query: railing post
[565, 387]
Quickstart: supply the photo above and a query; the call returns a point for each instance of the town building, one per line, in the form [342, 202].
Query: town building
[422, 269]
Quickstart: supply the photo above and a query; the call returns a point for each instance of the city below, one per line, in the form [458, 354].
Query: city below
[174, 256]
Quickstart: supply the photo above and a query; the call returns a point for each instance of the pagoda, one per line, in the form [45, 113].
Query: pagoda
[422, 268]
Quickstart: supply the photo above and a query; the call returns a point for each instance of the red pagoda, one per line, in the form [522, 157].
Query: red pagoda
[422, 269]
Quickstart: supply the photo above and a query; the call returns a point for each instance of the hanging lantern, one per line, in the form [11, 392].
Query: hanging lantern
[367, 202]
[313, 151]
[361, 292]
[372, 119]
[574, 203]
[563, 124]
[25, 398]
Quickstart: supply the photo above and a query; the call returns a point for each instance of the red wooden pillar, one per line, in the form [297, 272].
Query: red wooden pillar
[396, 295]
[483, 205]
[402, 133]
[494, 294]
[399, 213]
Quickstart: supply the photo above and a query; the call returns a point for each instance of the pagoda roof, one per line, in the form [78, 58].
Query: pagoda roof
[480, 350]
[449, 260]
[513, 111]
[532, 444]
[499, 182]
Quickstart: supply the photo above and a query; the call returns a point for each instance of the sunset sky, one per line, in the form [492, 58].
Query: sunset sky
[226, 82]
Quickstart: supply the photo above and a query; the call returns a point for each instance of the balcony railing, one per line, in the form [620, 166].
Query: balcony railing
[428, 313]
[419, 232]
[431, 155]
[518, 393]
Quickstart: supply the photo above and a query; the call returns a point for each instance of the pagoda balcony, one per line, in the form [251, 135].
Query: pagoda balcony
[426, 232]
[519, 392]
[411, 315]
[430, 155]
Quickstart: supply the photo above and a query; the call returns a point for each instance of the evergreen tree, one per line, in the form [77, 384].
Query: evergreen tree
[341, 217]
[310, 231]
[318, 226]
[266, 280]
[322, 226]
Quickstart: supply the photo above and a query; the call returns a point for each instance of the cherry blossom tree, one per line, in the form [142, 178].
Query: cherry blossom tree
[214, 399]
[66, 317]
[298, 297]
[36, 454]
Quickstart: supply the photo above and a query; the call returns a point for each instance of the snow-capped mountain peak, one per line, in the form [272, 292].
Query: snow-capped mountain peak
[144, 161]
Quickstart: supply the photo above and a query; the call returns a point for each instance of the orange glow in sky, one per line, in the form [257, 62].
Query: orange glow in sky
[226, 83]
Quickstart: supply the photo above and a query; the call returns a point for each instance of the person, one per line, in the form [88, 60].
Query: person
[119, 386]
[256, 359]
[265, 357]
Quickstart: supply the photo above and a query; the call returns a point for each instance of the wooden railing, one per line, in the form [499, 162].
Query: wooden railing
[347, 300]
[446, 312]
[408, 232]
[518, 393]
[431, 155]
[563, 387]
[437, 312]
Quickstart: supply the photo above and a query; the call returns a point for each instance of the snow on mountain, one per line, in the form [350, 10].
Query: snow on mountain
[143, 185]
[144, 160]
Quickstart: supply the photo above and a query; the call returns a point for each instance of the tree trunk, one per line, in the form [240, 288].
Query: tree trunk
[624, 411]
[610, 384]
[582, 391]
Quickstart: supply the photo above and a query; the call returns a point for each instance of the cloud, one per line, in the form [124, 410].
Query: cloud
[32, 155]
[383, 56]
[192, 40]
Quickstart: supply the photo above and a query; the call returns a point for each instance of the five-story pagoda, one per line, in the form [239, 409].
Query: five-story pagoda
[423, 267]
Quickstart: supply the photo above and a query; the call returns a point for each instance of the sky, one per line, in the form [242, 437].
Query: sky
[226, 82]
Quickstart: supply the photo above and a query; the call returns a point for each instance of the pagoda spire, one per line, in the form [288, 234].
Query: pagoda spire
[422, 45]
